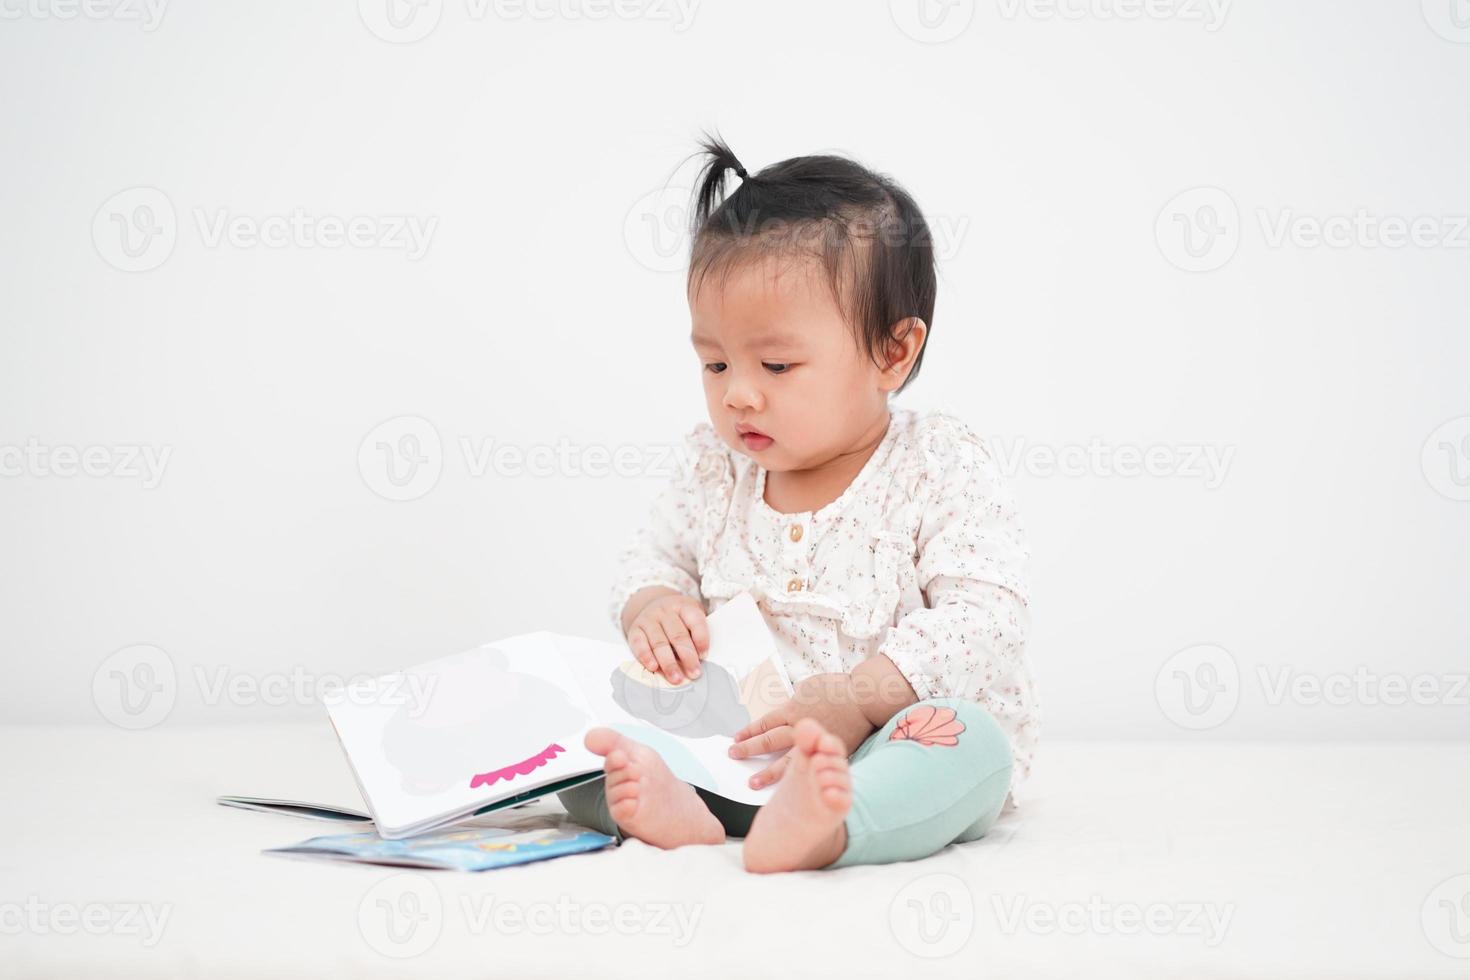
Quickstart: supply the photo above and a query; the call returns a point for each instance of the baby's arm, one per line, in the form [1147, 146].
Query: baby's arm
[968, 640]
[849, 705]
[655, 600]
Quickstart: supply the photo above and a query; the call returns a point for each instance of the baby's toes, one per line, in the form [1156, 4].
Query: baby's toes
[622, 798]
[834, 782]
[616, 763]
[837, 797]
[833, 776]
[829, 744]
[807, 736]
[601, 740]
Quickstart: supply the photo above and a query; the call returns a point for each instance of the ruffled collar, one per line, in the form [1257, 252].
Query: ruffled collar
[897, 421]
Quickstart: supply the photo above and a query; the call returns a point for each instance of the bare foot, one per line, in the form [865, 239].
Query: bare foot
[647, 800]
[803, 826]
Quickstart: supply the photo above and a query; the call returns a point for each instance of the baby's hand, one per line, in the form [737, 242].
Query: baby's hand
[669, 636]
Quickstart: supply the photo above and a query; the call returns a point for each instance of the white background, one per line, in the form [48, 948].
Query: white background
[1047, 146]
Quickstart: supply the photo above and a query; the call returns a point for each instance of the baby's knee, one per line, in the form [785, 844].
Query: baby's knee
[953, 721]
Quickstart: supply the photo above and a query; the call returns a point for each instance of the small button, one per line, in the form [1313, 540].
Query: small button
[796, 532]
[794, 585]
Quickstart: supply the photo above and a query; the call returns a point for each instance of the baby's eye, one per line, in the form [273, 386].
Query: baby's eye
[776, 368]
[715, 367]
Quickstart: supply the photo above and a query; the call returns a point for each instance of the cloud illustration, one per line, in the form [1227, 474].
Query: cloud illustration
[480, 716]
[696, 709]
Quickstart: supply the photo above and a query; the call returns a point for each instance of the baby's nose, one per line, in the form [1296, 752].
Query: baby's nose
[740, 395]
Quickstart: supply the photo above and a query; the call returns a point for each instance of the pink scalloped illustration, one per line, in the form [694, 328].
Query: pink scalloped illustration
[474, 709]
[929, 725]
[517, 769]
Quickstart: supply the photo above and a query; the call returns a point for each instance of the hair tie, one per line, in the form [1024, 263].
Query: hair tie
[740, 172]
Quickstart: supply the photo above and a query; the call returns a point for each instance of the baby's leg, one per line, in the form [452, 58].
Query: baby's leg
[586, 804]
[938, 772]
[801, 828]
[639, 797]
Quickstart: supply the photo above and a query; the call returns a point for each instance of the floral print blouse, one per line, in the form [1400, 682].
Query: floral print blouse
[922, 558]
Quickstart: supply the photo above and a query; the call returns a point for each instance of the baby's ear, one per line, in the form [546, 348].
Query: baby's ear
[905, 340]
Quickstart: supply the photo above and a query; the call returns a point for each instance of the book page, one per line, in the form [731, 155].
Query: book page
[691, 725]
[463, 731]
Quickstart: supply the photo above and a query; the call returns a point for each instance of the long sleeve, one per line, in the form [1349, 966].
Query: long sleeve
[665, 550]
[968, 640]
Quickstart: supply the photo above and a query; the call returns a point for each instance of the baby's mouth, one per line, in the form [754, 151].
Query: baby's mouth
[756, 441]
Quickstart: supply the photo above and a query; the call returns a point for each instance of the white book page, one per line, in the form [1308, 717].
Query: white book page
[463, 731]
[691, 725]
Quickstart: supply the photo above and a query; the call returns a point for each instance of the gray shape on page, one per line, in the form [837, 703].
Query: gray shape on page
[707, 706]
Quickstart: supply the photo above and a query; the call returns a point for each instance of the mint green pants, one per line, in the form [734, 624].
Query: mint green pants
[936, 774]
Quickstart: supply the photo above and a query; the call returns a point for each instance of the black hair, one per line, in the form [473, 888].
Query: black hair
[873, 242]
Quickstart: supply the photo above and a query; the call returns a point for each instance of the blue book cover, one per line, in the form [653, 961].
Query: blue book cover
[467, 848]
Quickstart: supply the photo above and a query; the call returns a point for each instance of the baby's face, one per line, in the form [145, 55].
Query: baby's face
[778, 356]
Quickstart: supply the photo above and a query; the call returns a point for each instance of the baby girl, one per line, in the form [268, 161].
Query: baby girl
[879, 542]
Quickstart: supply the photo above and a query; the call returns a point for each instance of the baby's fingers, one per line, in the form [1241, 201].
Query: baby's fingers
[638, 643]
[693, 618]
[772, 741]
[678, 634]
[770, 774]
[663, 651]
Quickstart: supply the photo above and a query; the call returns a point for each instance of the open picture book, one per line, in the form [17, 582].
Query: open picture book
[502, 723]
